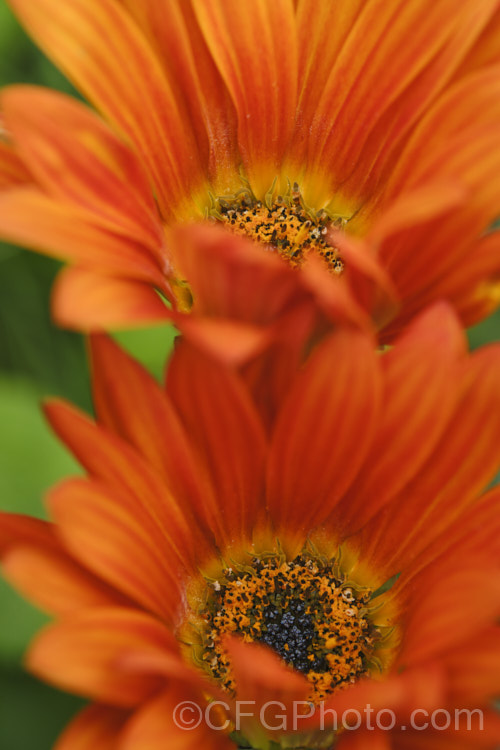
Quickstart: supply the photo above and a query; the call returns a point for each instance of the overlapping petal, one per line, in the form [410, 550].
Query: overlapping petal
[125, 81]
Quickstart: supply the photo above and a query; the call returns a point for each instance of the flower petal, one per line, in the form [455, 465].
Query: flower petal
[230, 276]
[386, 66]
[360, 740]
[336, 400]
[422, 369]
[161, 718]
[16, 529]
[254, 47]
[111, 460]
[228, 436]
[13, 171]
[71, 233]
[449, 482]
[473, 286]
[56, 582]
[82, 162]
[475, 669]
[85, 653]
[95, 728]
[448, 609]
[188, 65]
[123, 78]
[267, 685]
[34, 560]
[152, 427]
[87, 301]
[116, 538]
[422, 686]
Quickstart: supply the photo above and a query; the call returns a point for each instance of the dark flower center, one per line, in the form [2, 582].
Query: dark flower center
[303, 609]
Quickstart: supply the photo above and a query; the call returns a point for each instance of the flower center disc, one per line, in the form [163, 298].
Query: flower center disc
[303, 610]
[285, 226]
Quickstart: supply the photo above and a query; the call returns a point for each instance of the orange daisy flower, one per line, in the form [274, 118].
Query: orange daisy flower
[208, 565]
[356, 131]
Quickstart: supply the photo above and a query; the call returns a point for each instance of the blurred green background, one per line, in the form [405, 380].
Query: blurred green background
[36, 360]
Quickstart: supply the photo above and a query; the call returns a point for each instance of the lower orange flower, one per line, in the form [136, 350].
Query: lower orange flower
[218, 585]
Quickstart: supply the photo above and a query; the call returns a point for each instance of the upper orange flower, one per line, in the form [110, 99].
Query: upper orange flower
[293, 121]
[202, 558]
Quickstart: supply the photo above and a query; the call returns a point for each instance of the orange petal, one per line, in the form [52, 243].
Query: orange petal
[473, 286]
[228, 436]
[77, 159]
[16, 530]
[475, 669]
[444, 612]
[360, 740]
[415, 258]
[332, 294]
[123, 78]
[324, 431]
[380, 152]
[397, 52]
[421, 687]
[152, 427]
[230, 276]
[471, 534]
[110, 459]
[95, 728]
[231, 342]
[485, 51]
[484, 732]
[56, 582]
[254, 48]
[162, 718]
[63, 231]
[188, 64]
[116, 538]
[85, 653]
[12, 169]
[422, 369]
[464, 461]
[266, 689]
[88, 301]
[468, 109]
